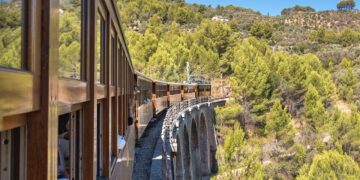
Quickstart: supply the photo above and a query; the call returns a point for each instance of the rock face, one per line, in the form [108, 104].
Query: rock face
[336, 20]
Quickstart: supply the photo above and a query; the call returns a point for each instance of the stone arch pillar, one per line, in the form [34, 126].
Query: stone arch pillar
[195, 153]
[186, 155]
[210, 120]
[204, 146]
[179, 161]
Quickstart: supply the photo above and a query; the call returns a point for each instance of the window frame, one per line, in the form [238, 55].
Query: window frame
[24, 62]
[101, 13]
[82, 75]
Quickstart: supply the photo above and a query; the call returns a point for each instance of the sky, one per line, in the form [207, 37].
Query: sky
[273, 7]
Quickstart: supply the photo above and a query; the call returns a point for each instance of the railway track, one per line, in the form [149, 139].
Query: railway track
[145, 148]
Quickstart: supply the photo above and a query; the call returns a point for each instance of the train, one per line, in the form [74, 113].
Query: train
[71, 103]
[153, 97]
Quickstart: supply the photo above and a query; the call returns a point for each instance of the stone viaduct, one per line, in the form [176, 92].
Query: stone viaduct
[189, 140]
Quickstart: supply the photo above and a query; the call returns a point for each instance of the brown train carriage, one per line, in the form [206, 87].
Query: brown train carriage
[160, 96]
[47, 109]
[204, 90]
[189, 91]
[144, 105]
[57, 121]
[174, 93]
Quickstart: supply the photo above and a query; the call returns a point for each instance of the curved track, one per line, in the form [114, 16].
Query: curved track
[145, 148]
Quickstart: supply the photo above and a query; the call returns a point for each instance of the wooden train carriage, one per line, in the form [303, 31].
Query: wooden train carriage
[160, 98]
[189, 91]
[64, 102]
[204, 90]
[174, 93]
[144, 103]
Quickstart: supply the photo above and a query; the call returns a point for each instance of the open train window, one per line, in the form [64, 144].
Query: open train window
[12, 154]
[113, 132]
[70, 39]
[175, 90]
[12, 33]
[119, 62]
[99, 144]
[161, 90]
[100, 47]
[113, 61]
[70, 145]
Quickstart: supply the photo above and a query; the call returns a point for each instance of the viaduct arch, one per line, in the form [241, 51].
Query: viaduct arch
[189, 140]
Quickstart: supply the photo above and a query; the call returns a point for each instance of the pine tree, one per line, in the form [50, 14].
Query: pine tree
[162, 64]
[348, 84]
[278, 121]
[261, 29]
[250, 82]
[315, 112]
[253, 169]
[233, 143]
[330, 165]
[323, 84]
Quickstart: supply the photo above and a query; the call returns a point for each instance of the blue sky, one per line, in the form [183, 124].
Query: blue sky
[273, 7]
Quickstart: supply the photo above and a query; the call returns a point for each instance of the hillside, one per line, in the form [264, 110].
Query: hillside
[294, 82]
[336, 20]
[152, 20]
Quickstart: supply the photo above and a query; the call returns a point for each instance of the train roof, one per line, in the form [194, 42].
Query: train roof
[160, 82]
[142, 76]
[177, 84]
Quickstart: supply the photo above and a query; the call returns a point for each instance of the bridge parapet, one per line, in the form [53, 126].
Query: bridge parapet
[189, 141]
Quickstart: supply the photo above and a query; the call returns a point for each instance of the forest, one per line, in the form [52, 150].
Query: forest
[294, 109]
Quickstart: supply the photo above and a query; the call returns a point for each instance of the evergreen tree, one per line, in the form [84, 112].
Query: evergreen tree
[253, 169]
[162, 64]
[315, 112]
[346, 5]
[231, 111]
[278, 121]
[214, 36]
[323, 84]
[349, 81]
[233, 143]
[261, 29]
[330, 165]
[250, 82]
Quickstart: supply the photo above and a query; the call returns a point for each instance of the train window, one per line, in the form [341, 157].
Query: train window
[100, 44]
[119, 64]
[99, 144]
[161, 90]
[11, 33]
[175, 90]
[12, 154]
[113, 131]
[70, 39]
[64, 137]
[78, 144]
[70, 143]
[113, 61]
